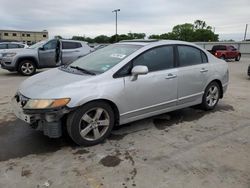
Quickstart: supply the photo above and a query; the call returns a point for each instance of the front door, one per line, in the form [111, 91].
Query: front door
[154, 92]
[48, 54]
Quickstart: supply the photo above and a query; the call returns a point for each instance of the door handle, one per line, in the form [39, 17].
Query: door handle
[203, 70]
[170, 76]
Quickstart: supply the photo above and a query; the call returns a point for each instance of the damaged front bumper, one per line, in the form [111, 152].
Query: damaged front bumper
[47, 120]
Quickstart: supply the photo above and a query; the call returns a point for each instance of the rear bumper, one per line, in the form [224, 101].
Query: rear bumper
[224, 87]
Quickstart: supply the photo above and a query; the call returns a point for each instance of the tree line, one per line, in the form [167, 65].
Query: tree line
[199, 31]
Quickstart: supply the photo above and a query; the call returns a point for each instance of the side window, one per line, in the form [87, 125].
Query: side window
[11, 46]
[125, 71]
[189, 56]
[50, 45]
[3, 46]
[20, 46]
[70, 45]
[156, 59]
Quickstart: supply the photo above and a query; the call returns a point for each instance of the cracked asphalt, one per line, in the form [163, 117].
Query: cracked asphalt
[184, 148]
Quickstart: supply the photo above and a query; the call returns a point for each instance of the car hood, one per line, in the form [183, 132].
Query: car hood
[53, 83]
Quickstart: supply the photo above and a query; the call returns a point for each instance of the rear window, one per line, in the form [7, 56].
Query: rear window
[219, 48]
[71, 45]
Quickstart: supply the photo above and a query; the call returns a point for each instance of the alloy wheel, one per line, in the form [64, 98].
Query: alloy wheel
[27, 68]
[212, 96]
[94, 124]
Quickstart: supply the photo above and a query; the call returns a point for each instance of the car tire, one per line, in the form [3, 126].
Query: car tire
[211, 96]
[238, 58]
[91, 123]
[223, 57]
[27, 68]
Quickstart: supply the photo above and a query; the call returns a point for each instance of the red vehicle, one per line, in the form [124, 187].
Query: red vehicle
[226, 52]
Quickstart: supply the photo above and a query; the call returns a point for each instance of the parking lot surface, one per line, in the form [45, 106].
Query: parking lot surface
[185, 148]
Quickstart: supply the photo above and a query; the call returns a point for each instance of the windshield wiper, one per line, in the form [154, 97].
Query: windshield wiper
[83, 70]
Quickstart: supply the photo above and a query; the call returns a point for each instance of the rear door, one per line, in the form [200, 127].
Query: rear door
[155, 91]
[193, 73]
[47, 54]
[70, 51]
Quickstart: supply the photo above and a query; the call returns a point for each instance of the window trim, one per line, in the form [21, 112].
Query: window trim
[178, 57]
[116, 74]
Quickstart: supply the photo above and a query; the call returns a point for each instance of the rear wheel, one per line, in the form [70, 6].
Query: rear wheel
[211, 96]
[91, 123]
[27, 68]
[238, 58]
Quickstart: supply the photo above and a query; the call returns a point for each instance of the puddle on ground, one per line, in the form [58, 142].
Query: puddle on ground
[185, 115]
[110, 161]
[18, 140]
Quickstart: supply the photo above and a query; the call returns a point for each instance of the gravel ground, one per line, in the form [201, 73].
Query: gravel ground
[185, 148]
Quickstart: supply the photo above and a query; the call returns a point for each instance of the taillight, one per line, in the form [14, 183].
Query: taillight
[216, 53]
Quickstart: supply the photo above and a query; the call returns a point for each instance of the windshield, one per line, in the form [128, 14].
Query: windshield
[38, 44]
[105, 58]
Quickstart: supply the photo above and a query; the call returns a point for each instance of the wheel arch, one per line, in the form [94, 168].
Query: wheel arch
[113, 106]
[220, 85]
[33, 59]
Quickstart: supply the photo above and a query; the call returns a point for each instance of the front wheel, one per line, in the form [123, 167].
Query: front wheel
[211, 96]
[27, 68]
[91, 123]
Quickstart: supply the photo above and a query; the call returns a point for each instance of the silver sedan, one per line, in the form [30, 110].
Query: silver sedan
[118, 84]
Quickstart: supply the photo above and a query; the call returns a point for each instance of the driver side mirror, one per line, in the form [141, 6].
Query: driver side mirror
[138, 70]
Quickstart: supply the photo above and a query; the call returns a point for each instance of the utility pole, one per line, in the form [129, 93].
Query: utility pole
[115, 11]
[245, 32]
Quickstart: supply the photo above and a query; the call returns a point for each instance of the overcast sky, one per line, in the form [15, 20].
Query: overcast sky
[95, 17]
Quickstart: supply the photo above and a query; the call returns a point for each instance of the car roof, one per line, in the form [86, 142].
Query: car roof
[153, 41]
[73, 41]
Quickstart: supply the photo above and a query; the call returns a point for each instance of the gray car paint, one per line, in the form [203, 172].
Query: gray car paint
[45, 58]
[150, 94]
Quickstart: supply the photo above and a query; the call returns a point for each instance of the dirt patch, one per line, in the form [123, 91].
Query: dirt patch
[129, 157]
[110, 161]
[80, 152]
[26, 172]
[116, 136]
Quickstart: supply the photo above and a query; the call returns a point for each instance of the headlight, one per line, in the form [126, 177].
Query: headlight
[8, 54]
[45, 103]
